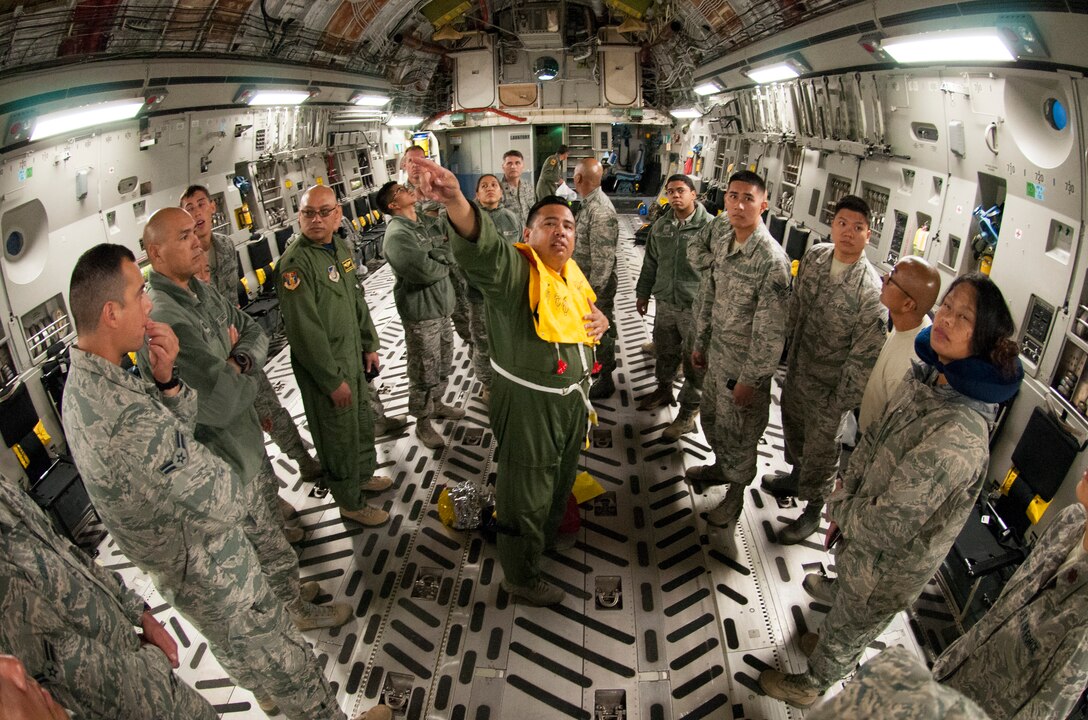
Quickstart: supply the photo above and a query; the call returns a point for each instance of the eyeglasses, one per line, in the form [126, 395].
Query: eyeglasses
[310, 214]
[399, 190]
[890, 277]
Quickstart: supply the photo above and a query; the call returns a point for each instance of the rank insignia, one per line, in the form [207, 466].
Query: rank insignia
[180, 456]
[348, 264]
[291, 280]
[334, 274]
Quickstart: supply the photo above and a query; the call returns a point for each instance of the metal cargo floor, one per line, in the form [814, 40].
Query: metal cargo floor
[436, 637]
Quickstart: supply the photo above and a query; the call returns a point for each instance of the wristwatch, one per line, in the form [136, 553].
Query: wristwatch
[170, 384]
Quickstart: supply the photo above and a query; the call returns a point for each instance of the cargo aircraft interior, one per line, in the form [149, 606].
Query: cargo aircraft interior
[958, 123]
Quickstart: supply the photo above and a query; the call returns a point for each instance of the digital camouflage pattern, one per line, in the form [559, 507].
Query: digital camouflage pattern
[741, 330]
[226, 418]
[518, 200]
[835, 330]
[177, 511]
[597, 232]
[550, 177]
[73, 624]
[510, 228]
[1027, 658]
[668, 276]
[224, 264]
[539, 434]
[895, 684]
[283, 430]
[424, 266]
[329, 328]
[906, 493]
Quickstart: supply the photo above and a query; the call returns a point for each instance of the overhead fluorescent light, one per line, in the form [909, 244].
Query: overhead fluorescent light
[969, 45]
[369, 100]
[404, 121]
[709, 87]
[274, 96]
[685, 113]
[793, 66]
[64, 121]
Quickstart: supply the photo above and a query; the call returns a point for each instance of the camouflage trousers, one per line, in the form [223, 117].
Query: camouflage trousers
[429, 347]
[674, 335]
[810, 424]
[481, 354]
[462, 313]
[279, 563]
[253, 638]
[868, 595]
[284, 432]
[733, 431]
[606, 351]
[131, 683]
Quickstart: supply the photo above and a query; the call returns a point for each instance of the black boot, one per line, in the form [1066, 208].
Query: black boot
[803, 526]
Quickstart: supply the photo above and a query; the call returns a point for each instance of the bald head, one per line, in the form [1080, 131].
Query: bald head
[910, 291]
[319, 214]
[587, 176]
[173, 246]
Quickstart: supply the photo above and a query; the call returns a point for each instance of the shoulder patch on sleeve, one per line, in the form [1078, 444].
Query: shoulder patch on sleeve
[180, 456]
[291, 280]
[554, 162]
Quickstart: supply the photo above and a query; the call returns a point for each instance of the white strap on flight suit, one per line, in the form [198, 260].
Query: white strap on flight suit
[575, 387]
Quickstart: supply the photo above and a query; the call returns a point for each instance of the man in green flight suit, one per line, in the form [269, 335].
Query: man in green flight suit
[538, 404]
[333, 345]
[551, 173]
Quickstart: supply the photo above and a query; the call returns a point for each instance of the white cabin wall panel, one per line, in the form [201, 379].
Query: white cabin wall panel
[913, 103]
[474, 81]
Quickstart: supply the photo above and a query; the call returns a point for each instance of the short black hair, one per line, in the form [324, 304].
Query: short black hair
[193, 190]
[991, 338]
[481, 179]
[854, 204]
[513, 153]
[681, 177]
[545, 202]
[562, 149]
[748, 178]
[97, 279]
[385, 196]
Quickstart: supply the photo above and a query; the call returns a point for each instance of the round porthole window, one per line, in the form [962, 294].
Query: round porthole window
[1056, 114]
[14, 244]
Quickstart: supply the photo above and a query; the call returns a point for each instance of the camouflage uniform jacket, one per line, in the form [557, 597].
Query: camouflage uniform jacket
[173, 507]
[596, 233]
[518, 200]
[225, 272]
[327, 321]
[913, 479]
[422, 261]
[58, 608]
[429, 208]
[666, 273]
[836, 327]
[1028, 655]
[896, 684]
[551, 176]
[226, 420]
[741, 318]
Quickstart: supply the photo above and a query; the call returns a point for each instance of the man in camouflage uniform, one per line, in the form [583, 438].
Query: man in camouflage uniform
[489, 197]
[538, 407]
[73, 624]
[896, 684]
[836, 329]
[219, 347]
[739, 334]
[595, 252]
[422, 263]
[552, 173]
[517, 194]
[1028, 656]
[333, 345]
[174, 508]
[669, 277]
[275, 419]
[427, 212]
